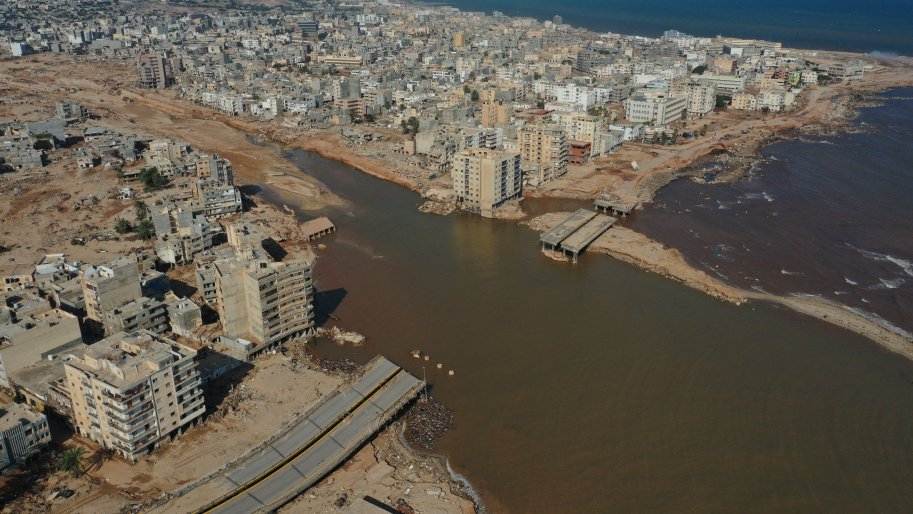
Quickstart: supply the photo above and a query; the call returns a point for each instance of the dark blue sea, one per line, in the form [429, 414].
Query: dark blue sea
[828, 216]
[868, 26]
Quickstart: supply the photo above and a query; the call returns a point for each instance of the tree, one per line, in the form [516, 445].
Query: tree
[152, 179]
[71, 461]
[466, 89]
[145, 230]
[540, 104]
[141, 209]
[122, 226]
[699, 70]
[475, 95]
[410, 125]
[43, 144]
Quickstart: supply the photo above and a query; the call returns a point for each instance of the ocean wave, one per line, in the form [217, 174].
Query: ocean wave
[763, 195]
[904, 264]
[783, 271]
[887, 283]
[850, 282]
[871, 316]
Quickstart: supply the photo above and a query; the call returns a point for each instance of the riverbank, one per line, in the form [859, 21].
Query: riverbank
[163, 114]
[635, 248]
[823, 110]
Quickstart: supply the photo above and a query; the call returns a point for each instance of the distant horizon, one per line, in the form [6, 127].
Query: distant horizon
[840, 25]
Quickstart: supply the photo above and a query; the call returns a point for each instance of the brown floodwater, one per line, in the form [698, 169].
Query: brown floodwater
[598, 387]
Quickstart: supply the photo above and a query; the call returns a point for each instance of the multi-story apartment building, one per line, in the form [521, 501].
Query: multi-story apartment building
[110, 285]
[143, 314]
[483, 179]
[543, 150]
[132, 391]
[215, 168]
[31, 338]
[743, 102]
[266, 303]
[154, 71]
[23, 433]
[701, 97]
[180, 234]
[725, 84]
[494, 113]
[584, 128]
[215, 199]
[657, 107]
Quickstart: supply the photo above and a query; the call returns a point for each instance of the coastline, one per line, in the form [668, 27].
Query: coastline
[637, 249]
[829, 109]
[172, 117]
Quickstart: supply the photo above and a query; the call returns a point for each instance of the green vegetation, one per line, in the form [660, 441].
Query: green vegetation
[71, 461]
[699, 70]
[475, 95]
[43, 144]
[152, 179]
[122, 226]
[410, 125]
[145, 230]
[141, 209]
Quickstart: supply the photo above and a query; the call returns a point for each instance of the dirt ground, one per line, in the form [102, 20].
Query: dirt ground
[40, 216]
[41, 81]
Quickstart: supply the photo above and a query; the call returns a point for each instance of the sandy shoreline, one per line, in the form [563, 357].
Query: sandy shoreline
[635, 248]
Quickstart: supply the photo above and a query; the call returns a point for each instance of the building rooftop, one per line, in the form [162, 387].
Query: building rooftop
[123, 359]
[12, 414]
[9, 331]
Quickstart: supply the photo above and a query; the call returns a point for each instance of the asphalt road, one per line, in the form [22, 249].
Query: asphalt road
[319, 442]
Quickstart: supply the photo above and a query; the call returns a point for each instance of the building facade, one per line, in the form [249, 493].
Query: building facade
[266, 303]
[543, 149]
[483, 179]
[132, 391]
[155, 71]
[23, 433]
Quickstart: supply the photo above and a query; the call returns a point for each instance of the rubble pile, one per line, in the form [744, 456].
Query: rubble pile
[426, 422]
[439, 208]
[341, 337]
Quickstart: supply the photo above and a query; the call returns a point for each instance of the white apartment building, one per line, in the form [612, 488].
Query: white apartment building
[483, 179]
[131, 391]
[775, 100]
[725, 84]
[701, 97]
[657, 107]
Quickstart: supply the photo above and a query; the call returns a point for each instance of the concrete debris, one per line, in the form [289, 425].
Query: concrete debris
[426, 422]
[439, 208]
[341, 337]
